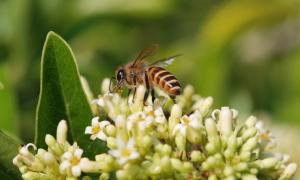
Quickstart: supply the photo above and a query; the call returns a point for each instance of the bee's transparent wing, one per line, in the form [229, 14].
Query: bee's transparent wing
[165, 61]
[149, 51]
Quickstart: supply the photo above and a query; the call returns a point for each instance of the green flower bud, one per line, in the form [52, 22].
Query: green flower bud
[289, 171]
[176, 163]
[111, 143]
[249, 144]
[269, 163]
[251, 132]
[110, 130]
[251, 121]
[176, 113]
[196, 156]
[194, 135]
[249, 177]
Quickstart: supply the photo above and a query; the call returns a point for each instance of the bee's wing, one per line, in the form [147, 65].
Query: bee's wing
[149, 51]
[165, 61]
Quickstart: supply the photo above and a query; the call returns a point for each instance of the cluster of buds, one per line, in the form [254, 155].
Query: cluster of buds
[186, 140]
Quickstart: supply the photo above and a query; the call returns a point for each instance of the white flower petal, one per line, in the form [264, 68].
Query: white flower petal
[134, 155]
[78, 152]
[67, 155]
[88, 130]
[130, 144]
[159, 112]
[160, 120]
[183, 130]
[176, 129]
[122, 160]
[195, 124]
[95, 121]
[103, 124]
[101, 136]
[115, 153]
[93, 136]
[76, 171]
[63, 166]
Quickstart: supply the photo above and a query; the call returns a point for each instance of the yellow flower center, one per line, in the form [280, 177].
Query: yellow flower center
[151, 113]
[126, 152]
[265, 136]
[96, 129]
[139, 118]
[185, 120]
[74, 161]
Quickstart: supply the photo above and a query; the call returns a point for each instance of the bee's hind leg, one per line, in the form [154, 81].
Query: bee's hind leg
[152, 95]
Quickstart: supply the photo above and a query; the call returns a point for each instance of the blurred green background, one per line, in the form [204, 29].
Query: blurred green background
[244, 53]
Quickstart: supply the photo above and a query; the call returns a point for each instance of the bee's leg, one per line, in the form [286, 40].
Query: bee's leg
[147, 88]
[152, 95]
[146, 96]
[173, 99]
[129, 91]
[134, 90]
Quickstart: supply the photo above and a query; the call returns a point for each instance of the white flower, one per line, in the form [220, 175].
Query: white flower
[99, 102]
[157, 114]
[140, 119]
[265, 137]
[97, 129]
[124, 152]
[70, 161]
[185, 122]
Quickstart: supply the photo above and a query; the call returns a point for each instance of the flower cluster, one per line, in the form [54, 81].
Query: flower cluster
[186, 140]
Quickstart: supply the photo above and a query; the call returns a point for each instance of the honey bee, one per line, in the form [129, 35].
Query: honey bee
[138, 72]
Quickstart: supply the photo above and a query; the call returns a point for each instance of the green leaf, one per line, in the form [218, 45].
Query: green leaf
[8, 122]
[8, 150]
[62, 97]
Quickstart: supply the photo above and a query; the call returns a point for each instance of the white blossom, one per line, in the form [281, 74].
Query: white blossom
[187, 121]
[97, 129]
[124, 152]
[140, 119]
[70, 161]
[265, 136]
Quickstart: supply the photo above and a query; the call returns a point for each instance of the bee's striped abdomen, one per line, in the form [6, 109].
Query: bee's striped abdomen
[164, 80]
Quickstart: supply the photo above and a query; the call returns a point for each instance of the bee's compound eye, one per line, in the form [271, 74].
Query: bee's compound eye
[120, 75]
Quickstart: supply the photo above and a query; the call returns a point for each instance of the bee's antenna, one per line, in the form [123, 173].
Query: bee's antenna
[110, 83]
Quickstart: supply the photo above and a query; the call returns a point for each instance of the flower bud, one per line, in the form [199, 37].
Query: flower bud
[111, 142]
[225, 121]
[251, 121]
[248, 133]
[249, 144]
[61, 133]
[123, 174]
[289, 171]
[105, 86]
[110, 130]
[269, 163]
[88, 166]
[104, 176]
[176, 163]
[176, 113]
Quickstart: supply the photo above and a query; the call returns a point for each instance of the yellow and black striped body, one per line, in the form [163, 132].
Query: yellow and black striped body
[163, 79]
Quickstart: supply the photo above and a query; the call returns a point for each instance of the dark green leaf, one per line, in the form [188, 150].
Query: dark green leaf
[62, 96]
[8, 150]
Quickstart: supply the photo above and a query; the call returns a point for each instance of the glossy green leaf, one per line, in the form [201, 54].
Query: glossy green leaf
[8, 113]
[8, 150]
[62, 96]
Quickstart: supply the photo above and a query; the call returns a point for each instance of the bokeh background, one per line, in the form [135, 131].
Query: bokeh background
[244, 53]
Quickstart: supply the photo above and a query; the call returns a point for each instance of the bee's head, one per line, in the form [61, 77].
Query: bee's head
[120, 77]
